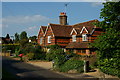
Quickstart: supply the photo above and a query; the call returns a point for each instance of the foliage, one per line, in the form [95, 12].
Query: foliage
[7, 36]
[11, 47]
[39, 53]
[23, 42]
[54, 50]
[108, 44]
[110, 66]
[61, 59]
[33, 52]
[17, 38]
[23, 35]
[30, 56]
[111, 15]
[72, 64]
[33, 38]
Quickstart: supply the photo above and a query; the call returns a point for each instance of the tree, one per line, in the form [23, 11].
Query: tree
[108, 44]
[23, 35]
[7, 36]
[17, 37]
[33, 38]
[23, 39]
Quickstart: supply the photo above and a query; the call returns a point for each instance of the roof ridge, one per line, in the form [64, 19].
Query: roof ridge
[59, 24]
[86, 22]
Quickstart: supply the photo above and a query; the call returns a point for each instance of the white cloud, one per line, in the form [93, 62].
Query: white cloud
[24, 19]
[95, 4]
[31, 28]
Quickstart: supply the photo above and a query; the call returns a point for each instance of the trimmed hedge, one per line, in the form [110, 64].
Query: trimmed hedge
[12, 47]
[72, 64]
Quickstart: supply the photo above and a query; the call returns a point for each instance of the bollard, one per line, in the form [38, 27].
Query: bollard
[86, 66]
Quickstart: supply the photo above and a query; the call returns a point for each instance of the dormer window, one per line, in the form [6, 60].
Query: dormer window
[84, 37]
[41, 40]
[73, 38]
[49, 39]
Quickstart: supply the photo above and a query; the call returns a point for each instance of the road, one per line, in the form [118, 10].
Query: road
[25, 71]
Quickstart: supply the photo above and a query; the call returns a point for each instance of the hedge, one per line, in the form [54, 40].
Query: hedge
[72, 64]
[12, 47]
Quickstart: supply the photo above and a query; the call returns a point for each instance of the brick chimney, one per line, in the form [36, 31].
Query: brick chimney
[63, 18]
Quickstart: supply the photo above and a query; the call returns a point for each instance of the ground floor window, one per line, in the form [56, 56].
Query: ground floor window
[81, 51]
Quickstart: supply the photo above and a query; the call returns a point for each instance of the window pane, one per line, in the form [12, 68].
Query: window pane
[73, 38]
[49, 39]
[84, 37]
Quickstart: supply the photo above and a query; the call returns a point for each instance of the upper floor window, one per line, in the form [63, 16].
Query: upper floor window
[41, 40]
[73, 38]
[84, 37]
[49, 39]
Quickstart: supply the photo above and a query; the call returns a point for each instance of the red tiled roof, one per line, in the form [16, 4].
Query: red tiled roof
[65, 30]
[88, 25]
[61, 30]
[77, 45]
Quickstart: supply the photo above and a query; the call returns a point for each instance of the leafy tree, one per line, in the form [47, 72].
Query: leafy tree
[33, 38]
[17, 37]
[23, 39]
[23, 35]
[108, 44]
[7, 36]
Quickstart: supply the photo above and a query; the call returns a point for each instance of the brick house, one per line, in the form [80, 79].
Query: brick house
[71, 37]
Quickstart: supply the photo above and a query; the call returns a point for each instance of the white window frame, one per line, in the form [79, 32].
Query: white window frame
[73, 38]
[49, 39]
[84, 37]
[41, 39]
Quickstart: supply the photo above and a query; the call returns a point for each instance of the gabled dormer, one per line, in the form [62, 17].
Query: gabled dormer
[84, 33]
[73, 34]
[84, 30]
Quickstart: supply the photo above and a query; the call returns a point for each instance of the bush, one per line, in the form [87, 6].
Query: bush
[30, 56]
[12, 47]
[72, 64]
[110, 66]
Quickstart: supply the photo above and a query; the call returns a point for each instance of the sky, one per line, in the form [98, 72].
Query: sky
[29, 16]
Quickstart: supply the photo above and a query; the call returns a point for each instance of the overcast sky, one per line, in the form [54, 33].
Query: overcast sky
[29, 16]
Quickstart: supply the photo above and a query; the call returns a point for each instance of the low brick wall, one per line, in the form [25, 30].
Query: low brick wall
[4, 54]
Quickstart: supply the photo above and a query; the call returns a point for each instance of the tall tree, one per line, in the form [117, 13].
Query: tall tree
[108, 44]
[23, 39]
[17, 37]
[7, 36]
[23, 35]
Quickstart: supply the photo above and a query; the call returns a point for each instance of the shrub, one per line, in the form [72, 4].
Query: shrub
[12, 47]
[30, 56]
[110, 66]
[72, 64]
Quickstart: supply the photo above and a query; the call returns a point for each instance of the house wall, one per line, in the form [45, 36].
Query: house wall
[39, 36]
[62, 41]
